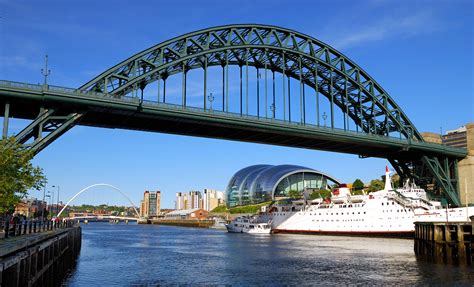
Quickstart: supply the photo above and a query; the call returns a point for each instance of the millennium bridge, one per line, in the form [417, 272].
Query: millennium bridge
[252, 83]
[103, 217]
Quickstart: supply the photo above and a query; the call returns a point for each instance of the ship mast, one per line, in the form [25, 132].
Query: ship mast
[388, 183]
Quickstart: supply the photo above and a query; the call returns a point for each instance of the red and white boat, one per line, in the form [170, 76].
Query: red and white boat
[388, 212]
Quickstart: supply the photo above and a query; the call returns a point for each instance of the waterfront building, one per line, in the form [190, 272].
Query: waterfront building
[150, 205]
[187, 214]
[260, 183]
[190, 200]
[179, 203]
[456, 138]
[54, 209]
[194, 200]
[212, 198]
[220, 198]
[462, 137]
[30, 207]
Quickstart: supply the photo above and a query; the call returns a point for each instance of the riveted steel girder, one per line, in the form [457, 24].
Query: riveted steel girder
[106, 101]
[286, 51]
[50, 124]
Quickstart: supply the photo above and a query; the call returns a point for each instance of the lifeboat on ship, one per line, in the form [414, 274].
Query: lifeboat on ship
[340, 194]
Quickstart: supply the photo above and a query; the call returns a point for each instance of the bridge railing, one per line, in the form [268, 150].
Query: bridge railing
[137, 101]
[14, 229]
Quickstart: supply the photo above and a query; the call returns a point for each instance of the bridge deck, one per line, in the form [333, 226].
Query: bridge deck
[127, 113]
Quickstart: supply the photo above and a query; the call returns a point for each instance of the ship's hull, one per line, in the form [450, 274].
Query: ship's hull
[243, 229]
[384, 234]
[373, 218]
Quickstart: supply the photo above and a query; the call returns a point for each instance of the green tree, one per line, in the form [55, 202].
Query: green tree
[294, 194]
[17, 174]
[322, 193]
[376, 185]
[325, 193]
[358, 185]
[314, 195]
[396, 181]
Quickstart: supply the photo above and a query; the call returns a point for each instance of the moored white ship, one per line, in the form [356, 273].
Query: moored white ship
[246, 224]
[388, 212]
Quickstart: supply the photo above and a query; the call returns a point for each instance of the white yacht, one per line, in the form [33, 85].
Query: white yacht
[388, 212]
[219, 223]
[245, 224]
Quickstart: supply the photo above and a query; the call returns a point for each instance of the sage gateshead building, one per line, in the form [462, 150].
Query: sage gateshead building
[260, 183]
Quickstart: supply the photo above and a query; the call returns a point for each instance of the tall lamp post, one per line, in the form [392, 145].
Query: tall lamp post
[52, 200]
[43, 207]
[47, 195]
[57, 200]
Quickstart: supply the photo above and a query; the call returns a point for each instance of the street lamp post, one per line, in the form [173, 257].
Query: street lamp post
[45, 72]
[211, 99]
[324, 118]
[57, 200]
[272, 108]
[43, 207]
[52, 200]
[47, 203]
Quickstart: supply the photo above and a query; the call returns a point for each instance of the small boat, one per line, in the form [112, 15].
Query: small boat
[219, 223]
[245, 224]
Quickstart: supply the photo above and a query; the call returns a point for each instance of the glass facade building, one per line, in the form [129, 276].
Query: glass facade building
[260, 183]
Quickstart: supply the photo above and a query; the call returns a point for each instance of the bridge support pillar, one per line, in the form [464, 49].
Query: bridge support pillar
[444, 177]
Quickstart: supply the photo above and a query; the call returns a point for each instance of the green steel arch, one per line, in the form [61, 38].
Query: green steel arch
[112, 100]
[291, 53]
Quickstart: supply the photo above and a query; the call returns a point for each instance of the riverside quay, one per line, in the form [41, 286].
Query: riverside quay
[38, 253]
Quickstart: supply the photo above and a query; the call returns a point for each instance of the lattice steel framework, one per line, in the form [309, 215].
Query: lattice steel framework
[269, 49]
[291, 53]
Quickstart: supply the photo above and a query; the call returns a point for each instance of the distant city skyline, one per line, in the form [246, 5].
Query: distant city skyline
[417, 51]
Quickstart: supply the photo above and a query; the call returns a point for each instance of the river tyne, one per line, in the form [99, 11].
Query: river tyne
[152, 255]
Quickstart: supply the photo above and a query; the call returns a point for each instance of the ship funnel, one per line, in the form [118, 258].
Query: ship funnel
[388, 183]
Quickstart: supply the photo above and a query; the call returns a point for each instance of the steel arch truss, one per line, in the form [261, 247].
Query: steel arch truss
[294, 55]
[281, 50]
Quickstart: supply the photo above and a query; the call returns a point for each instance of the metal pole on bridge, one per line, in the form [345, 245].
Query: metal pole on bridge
[45, 72]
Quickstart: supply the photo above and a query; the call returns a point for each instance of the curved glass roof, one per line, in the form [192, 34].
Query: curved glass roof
[258, 183]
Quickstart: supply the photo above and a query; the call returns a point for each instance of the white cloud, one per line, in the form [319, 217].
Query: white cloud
[387, 27]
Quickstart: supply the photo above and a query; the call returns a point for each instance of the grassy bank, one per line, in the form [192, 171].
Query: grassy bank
[240, 209]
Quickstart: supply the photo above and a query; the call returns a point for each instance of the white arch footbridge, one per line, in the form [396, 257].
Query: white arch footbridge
[100, 184]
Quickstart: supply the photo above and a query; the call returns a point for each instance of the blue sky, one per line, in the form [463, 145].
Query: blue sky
[421, 52]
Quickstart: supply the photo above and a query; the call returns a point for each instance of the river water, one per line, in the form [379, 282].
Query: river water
[149, 255]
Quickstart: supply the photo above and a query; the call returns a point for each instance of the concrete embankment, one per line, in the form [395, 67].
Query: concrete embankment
[183, 222]
[445, 242]
[39, 259]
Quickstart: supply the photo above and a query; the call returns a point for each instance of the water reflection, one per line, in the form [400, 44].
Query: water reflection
[155, 255]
